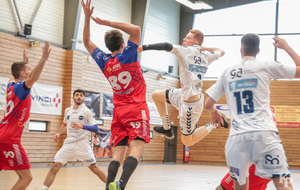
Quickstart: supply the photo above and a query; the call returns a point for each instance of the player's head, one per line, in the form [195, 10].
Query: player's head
[78, 96]
[20, 70]
[194, 37]
[250, 45]
[114, 40]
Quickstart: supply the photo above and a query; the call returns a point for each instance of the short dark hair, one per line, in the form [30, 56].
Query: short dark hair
[113, 40]
[17, 67]
[80, 91]
[250, 44]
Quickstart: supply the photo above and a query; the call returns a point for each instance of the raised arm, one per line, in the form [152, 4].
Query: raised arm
[89, 45]
[157, 46]
[133, 30]
[36, 72]
[282, 44]
[211, 49]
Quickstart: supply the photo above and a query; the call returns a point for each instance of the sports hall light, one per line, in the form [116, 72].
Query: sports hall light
[198, 5]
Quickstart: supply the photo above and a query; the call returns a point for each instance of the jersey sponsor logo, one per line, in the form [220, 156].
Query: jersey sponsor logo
[109, 69]
[116, 67]
[23, 114]
[271, 160]
[11, 162]
[197, 68]
[90, 160]
[68, 117]
[10, 154]
[20, 124]
[80, 117]
[272, 163]
[241, 84]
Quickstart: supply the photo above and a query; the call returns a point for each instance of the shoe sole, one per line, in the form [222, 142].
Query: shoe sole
[226, 124]
[169, 138]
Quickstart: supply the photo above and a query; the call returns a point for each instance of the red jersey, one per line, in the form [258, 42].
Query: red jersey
[124, 73]
[18, 103]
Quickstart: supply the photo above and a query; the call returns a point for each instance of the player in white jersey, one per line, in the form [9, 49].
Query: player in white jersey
[194, 60]
[253, 137]
[79, 122]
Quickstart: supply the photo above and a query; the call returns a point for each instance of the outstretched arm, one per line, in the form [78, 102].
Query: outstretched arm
[157, 46]
[213, 49]
[92, 128]
[133, 30]
[89, 45]
[282, 44]
[36, 72]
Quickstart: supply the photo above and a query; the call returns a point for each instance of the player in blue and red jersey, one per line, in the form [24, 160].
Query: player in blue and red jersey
[18, 99]
[131, 114]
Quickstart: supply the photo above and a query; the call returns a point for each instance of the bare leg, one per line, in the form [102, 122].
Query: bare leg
[24, 180]
[198, 135]
[96, 170]
[284, 183]
[52, 173]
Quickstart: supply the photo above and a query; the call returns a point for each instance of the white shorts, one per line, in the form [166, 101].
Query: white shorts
[79, 150]
[263, 148]
[189, 112]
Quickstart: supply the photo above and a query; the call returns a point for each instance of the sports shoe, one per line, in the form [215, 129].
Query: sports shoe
[167, 133]
[226, 124]
[115, 185]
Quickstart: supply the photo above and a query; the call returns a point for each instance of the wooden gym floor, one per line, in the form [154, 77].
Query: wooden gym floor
[146, 177]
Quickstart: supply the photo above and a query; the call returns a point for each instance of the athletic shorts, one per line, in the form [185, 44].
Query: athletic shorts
[189, 112]
[255, 182]
[263, 148]
[79, 150]
[13, 157]
[132, 121]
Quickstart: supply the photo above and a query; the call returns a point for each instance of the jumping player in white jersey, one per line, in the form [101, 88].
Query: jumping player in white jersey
[194, 60]
[253, 137]
[79, 122]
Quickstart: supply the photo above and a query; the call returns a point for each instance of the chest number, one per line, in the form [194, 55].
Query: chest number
[123, 78]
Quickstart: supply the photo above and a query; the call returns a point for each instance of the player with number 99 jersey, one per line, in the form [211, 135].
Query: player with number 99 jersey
[125, 76]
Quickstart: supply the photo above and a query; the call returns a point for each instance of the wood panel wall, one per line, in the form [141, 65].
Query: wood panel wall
[72, 70]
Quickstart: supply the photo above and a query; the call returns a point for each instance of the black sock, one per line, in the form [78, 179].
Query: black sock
[112, 172]
[128, 168]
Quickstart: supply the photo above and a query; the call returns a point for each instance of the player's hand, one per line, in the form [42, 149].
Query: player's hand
[101, 21]
[56, 136]
[86, 8]
[46, 51]
[216, 118]
[77, 126]
[25, 57]
[140, 49]
[280, 43]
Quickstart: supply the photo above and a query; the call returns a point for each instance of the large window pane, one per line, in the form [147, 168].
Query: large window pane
[256, 17]
[289, 14]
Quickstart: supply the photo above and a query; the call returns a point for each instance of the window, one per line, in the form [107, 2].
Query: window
[38, 126]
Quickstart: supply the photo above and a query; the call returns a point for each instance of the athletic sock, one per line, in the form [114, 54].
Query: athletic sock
[210, 127]
[45, 187]
[166, 122]
[128, 168]
[112, 172]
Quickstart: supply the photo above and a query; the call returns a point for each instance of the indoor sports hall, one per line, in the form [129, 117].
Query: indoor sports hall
[26, 27]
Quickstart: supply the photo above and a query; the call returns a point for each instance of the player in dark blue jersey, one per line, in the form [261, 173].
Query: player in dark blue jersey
[131, 114]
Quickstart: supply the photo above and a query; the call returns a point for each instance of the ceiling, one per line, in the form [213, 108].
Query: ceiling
[217, 4]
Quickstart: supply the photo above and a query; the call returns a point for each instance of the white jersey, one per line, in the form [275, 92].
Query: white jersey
[193, 64]
[81, 115]
[247, 89]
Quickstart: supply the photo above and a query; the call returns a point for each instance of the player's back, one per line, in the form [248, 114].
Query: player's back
[124, 74]
[247, 89]
[17, 112]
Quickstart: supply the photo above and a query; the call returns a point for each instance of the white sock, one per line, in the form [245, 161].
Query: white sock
[45, 187]
[166, 122]
[210, 127]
